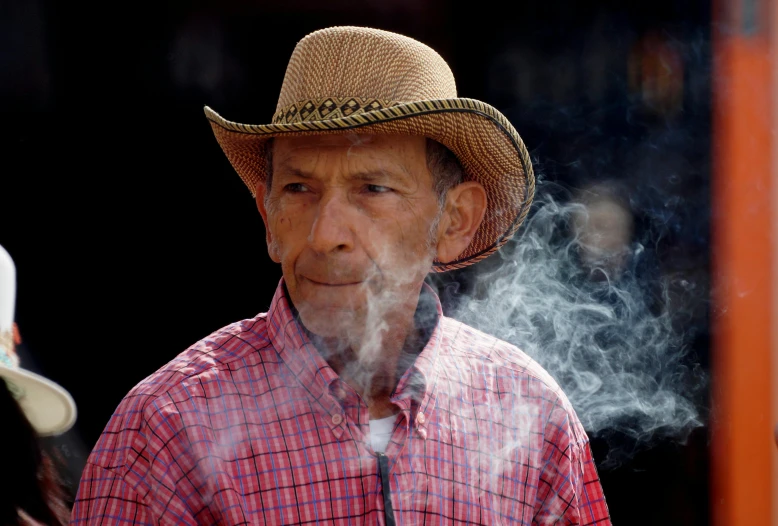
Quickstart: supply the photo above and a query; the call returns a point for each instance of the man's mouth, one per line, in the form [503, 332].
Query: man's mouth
[333, 283]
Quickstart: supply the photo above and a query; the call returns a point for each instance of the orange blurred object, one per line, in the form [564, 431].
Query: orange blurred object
[743, 454]
[656, 73]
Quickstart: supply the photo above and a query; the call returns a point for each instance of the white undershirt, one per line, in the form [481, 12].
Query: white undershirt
[380, 432]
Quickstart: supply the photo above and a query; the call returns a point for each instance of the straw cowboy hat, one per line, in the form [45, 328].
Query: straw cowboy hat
[49, 408]
[364, 80]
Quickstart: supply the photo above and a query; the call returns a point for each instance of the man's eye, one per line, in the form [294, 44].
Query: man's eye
[377, 189]
[296, 188]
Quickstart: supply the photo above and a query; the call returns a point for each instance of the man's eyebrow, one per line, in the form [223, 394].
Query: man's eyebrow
[370, 175]
[285, 169]
[375, 175]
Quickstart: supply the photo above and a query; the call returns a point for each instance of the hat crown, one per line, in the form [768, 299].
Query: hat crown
[365, 63]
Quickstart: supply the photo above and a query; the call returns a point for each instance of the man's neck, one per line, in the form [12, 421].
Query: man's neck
[373, 365]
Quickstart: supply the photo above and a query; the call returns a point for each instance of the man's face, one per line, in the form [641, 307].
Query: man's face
[353, 222]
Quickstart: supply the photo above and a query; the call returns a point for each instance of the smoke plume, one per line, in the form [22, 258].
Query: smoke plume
[598, 318]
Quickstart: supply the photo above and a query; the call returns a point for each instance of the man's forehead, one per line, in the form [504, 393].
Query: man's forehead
[363, 154]
[351, 140]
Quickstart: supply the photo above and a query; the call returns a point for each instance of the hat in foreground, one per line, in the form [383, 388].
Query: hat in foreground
[363, 80]
[47, 405]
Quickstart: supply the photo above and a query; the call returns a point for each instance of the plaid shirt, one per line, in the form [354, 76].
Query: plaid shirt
[251, 426]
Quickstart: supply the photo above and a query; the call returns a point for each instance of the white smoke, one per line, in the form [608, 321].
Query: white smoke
[605, 331]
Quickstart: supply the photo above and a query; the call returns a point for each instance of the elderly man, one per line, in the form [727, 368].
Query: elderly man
[353, 399]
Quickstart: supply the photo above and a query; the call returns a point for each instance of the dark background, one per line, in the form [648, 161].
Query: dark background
[133, 237]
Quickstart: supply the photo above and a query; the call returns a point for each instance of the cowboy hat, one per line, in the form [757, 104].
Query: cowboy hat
[48, 406]
[363, 80]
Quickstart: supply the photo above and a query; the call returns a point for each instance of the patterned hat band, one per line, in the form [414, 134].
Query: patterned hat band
[8, 356]
[328, 108]
[10, 359]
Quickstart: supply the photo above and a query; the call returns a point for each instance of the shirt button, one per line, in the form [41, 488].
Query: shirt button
[337, 419]
[422, 433]
[420, 419]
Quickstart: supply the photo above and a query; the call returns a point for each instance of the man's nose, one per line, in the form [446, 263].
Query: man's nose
[333, 225]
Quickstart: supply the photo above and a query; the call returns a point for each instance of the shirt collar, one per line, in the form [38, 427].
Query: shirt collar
[299, 354]
[295, 348]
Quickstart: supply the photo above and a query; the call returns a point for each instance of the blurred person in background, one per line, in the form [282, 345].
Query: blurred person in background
[353, 399]
[608, 237]
[603, 226]
[617, 257]
[31, 407]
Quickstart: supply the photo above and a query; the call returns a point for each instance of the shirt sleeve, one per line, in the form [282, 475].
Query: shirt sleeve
[104, 497]
[134, 474]
[569, 490]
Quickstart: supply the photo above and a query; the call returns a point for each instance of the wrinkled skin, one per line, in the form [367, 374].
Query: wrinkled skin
[355, 223]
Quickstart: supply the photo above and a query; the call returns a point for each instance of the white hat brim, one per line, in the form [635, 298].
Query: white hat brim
[48, 406]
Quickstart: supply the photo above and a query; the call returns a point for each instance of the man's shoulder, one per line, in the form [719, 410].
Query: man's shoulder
[502, 367]
[466, 340]
[211, 354]
[165, 393]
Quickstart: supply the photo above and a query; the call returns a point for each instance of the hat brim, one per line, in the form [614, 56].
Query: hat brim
[47, 405]
[487, 145]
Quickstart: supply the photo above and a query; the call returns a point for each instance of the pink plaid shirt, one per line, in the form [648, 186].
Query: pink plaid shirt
[251, 426]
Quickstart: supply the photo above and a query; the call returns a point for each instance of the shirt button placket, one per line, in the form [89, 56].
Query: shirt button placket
[420, 419]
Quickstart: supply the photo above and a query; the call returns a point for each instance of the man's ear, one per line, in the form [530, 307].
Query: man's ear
[462, 215]
[272, 248]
